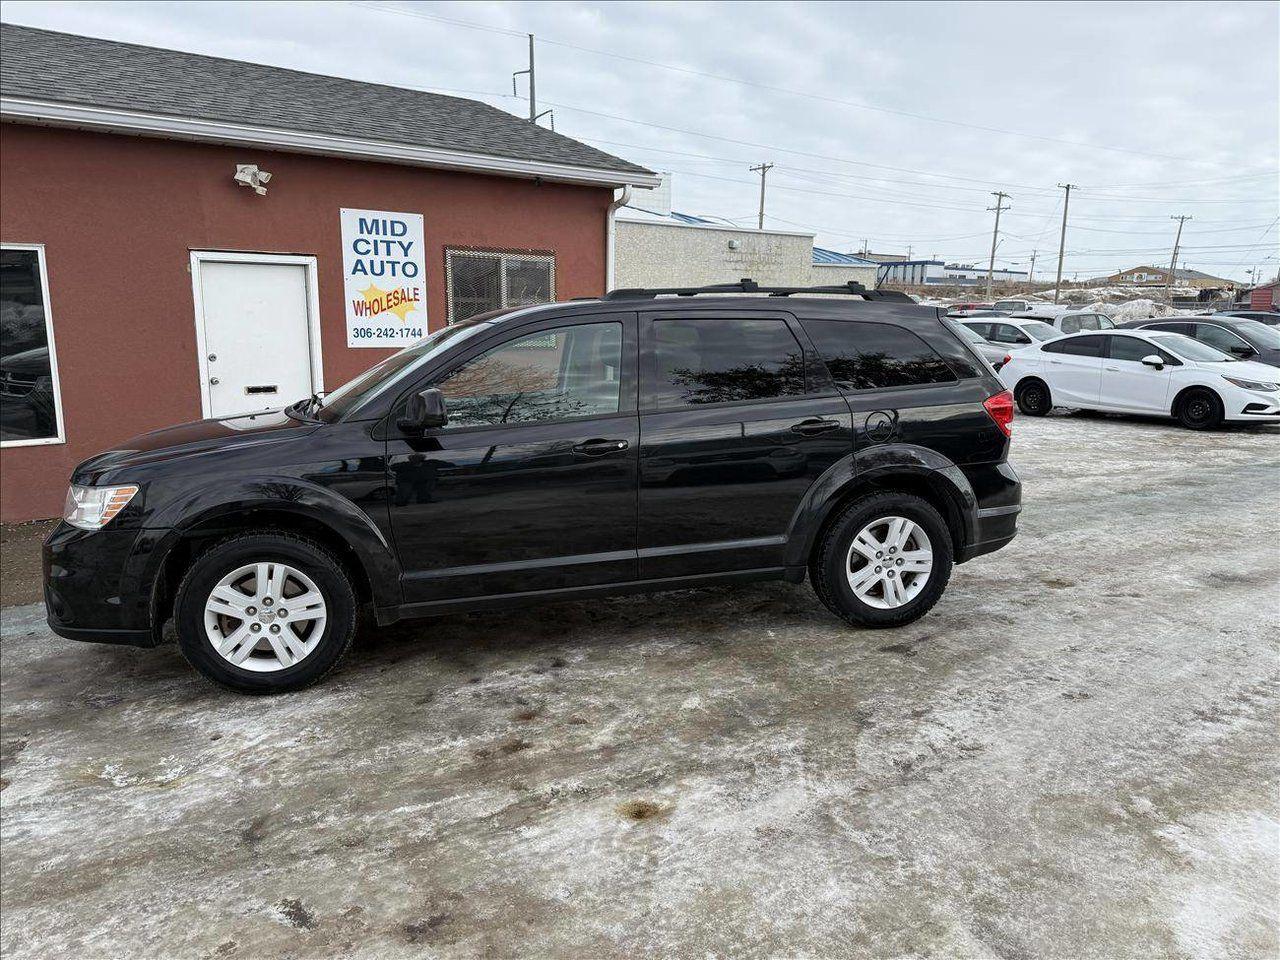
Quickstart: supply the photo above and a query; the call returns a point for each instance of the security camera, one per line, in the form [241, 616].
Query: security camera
[248, 175]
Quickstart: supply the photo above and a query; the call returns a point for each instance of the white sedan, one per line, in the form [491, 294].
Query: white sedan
[1141, 371]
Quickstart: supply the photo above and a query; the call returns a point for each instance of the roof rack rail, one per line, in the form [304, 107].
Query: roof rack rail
[747, 285]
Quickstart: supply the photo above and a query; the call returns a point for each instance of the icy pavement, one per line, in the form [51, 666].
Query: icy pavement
[1074, 755]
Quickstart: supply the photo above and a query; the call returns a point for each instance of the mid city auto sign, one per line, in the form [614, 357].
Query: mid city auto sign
[385, 277]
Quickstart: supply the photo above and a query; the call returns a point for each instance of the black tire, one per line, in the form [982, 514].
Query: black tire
[1199, 409]
[306, 556]
[1034, 398]
[828, 569]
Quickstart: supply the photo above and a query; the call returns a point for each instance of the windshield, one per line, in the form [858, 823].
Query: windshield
[351, 395]
[1189, 349]
[1040, 331]
[1262, 336]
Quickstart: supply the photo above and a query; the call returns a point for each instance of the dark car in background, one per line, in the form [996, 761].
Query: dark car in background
[1240, 337]
[643, 441]
[1269, 317]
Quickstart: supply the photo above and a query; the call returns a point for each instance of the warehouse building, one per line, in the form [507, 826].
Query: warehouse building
[186, 236]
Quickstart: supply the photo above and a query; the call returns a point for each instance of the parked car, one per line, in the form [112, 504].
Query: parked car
[1244, 339]
[990, 352]
[1269, 317]
[1010, 331]
[1072, 321]
[638, 442]
[1018, 305]
[1143, 371]
[966, 309]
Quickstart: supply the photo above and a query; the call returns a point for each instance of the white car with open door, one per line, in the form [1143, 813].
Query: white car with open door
[1146, 372]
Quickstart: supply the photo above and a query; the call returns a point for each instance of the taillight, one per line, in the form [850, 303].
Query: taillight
[1007, 358]
[1000, 409]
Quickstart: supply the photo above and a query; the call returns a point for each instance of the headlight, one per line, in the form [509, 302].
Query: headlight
[1252, 384]
[92, 508]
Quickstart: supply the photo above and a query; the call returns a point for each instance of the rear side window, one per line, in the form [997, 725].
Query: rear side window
[1070, 324]
[698, 361]
[1076, 346]
[865, 356]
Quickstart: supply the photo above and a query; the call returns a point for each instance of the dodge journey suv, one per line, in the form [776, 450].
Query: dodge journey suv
[648, 440]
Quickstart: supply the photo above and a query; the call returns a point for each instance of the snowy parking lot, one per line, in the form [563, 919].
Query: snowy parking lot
[1074, 755]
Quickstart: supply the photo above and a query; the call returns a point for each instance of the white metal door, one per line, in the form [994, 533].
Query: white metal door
[256, 326]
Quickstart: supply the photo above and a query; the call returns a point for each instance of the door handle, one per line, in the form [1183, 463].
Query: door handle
[1056, 362]
[814, 426]
[1114, 369]
[599, 448]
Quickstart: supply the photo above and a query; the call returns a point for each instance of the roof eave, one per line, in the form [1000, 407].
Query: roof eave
[135, 123]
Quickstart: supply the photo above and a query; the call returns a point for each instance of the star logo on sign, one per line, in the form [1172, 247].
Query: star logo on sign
[377, 300]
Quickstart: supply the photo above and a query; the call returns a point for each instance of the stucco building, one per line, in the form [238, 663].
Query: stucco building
[186, 236]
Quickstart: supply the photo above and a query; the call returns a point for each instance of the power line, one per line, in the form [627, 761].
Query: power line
[758, 85]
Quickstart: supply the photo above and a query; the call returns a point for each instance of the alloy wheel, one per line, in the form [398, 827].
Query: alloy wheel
[265, 616]
[889, 562]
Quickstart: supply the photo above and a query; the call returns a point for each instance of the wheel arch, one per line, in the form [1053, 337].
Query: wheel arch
[331, 521]
[902, 467]
[1191, 388]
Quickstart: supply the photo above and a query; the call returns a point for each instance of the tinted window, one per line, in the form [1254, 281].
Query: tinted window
[698, 361]
[1260, 334]
[1076, 346]
[1131, 348]
[1170, 326]
[1224, 340]
[863, 356]
[550, 375]
[981, 329]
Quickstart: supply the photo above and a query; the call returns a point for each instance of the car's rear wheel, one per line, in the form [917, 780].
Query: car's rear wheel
[265, 613]
[1033, 397]
[1199, 409]
[884, 561]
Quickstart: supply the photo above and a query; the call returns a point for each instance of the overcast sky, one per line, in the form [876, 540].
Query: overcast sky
[886, 122]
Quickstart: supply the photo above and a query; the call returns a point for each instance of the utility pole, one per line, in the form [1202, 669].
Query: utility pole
[1062, 241]
[1001, 197]
[1173, 261]
[533, 88]
[1031, 274]
[909, 248]
[763, 169]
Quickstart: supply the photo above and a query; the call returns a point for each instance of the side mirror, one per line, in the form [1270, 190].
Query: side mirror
[1243, 352]
[424, 411]
[1153, 360]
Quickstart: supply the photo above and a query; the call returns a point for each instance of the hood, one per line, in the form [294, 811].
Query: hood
[195, 439]
[1242, 369]
[1269, 356]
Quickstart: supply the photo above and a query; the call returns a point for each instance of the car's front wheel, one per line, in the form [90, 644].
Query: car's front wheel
[884, 561]
[1199, 409]
[265, 613]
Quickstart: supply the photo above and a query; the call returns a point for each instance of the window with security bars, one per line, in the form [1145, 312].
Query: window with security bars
[484, 280]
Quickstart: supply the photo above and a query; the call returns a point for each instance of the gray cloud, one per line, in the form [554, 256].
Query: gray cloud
[1187, 93]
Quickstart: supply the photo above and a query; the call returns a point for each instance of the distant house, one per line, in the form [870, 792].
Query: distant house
[660, 247]
[1147, 276]
[1265, 296]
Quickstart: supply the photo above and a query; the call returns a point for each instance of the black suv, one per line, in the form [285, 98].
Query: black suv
[649, 440]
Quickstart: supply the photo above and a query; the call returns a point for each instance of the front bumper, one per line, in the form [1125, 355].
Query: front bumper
[97, 585]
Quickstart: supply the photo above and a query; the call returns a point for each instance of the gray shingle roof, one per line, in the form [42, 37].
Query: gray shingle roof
[67, 68]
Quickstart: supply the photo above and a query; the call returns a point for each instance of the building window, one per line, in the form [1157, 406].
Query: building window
[30, 404]
[484, 280]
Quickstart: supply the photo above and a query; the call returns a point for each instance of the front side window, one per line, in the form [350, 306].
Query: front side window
[1223, 339]
[1008, 333]
[480, 281]
[1131, 348]
[983, 330]
[698, 361]
[556, 374]
[1189, 349]
[30, 408]
[866, 356]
